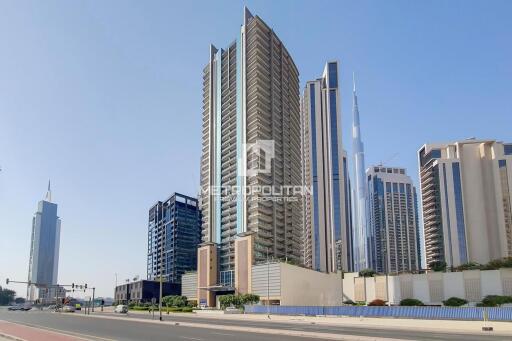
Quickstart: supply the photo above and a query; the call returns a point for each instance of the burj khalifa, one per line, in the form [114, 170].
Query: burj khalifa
[360, 192]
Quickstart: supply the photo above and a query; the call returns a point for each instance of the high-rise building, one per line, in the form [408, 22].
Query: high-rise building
[465, 192]
[251, 146]
[327, 208]
[174, 233]
[44, 249]
[360, 191]
[393, 221]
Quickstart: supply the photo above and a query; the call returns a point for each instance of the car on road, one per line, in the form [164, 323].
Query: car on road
[121, 309]
[15, 307]
[68, 309]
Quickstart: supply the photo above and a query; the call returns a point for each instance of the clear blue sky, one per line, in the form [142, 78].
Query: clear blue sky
[104, 98]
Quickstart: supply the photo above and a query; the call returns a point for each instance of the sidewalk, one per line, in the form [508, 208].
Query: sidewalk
[13, 331]
[443, 326]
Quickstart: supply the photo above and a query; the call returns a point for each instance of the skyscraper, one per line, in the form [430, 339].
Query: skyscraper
[360, 192]
[465, 190]
[251, 145]
[44, 248]
[393, 221]
[174, 232]
[327, 208]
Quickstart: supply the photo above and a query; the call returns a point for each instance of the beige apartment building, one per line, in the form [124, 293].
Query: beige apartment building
[251, 156]
[465, 194]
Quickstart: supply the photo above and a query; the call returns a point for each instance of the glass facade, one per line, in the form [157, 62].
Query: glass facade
[507, 149]
[335, 164]
[333, 75]
[314, 157]
[174, 233]
[459, 212]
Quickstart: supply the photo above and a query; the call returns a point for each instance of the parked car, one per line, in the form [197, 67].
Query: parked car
[121, 309]
[68, 309]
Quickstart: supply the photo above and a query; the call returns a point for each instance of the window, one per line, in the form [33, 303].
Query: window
[459, 211]
[333, 75]
[507, 149]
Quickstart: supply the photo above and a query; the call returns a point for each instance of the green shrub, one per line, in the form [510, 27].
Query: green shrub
[498, 264]
[438, 266]
[469, 266]
[138, 307]
[187, 309]
[455, 302]
[366, 273]
[494, 301]
[349, 302]
[360, 303]
[377, 303]
[411, 302]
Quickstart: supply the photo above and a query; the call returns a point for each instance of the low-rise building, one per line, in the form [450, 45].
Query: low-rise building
[145, 291]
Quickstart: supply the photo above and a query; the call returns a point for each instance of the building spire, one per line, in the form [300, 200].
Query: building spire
[354, 80]
[49, 193]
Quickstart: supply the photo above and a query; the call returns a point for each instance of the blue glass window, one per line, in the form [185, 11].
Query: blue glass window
[459, 211]
[333, 75]
[507, 149]
[335, 166]
[316, 234]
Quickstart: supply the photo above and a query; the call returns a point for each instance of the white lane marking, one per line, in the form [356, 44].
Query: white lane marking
[224, 334]
[190, 338]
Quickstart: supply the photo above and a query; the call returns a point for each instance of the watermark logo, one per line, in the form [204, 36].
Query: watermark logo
[257, 158]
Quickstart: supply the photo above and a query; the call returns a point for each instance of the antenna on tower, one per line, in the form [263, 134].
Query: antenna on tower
[49, 193]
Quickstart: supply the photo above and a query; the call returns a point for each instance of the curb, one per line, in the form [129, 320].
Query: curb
[11, 337]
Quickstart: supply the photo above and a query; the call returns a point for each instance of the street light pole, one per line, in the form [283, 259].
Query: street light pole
[161, 273]
[268, 285]
[93, 292]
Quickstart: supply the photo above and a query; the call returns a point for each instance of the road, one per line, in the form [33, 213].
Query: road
[128, 329]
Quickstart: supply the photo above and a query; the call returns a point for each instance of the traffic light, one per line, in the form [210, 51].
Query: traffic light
[86, 285]
[7, 281]
[72, 285]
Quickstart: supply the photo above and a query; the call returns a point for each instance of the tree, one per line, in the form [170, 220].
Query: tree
[438, 266]
[6, 296]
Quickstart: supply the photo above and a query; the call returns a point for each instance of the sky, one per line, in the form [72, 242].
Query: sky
[104, 98]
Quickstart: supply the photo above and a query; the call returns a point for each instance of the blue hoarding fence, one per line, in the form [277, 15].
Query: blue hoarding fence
[434, 313]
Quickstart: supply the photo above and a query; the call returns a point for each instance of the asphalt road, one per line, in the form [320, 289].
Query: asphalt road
[130, 330]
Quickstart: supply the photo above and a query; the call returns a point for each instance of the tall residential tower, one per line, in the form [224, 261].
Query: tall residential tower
[328, 237]
[465, 190]
[393, 221]
[251, 146]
